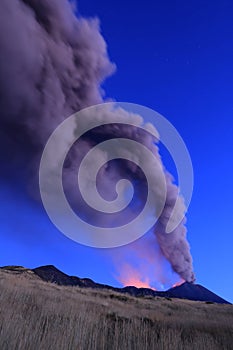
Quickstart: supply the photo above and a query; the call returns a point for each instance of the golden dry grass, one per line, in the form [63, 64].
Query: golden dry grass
[35, 315]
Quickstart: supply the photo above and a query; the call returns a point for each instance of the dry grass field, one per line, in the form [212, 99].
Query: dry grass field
[35, 315]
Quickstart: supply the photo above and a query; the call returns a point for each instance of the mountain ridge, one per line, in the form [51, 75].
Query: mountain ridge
[189, 291]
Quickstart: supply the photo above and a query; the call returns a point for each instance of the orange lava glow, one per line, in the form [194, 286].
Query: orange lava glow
[137, 283]
[142, 264]
[178, 283]
[131, 277]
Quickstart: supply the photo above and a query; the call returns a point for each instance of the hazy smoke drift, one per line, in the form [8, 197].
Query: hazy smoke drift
[52, 64]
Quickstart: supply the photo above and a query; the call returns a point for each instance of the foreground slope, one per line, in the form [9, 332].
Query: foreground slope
[40, 315]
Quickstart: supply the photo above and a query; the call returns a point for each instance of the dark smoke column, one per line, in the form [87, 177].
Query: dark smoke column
[51, 65]
[174, 245]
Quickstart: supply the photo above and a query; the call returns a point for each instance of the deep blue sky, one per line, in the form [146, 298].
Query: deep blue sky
[177, 58]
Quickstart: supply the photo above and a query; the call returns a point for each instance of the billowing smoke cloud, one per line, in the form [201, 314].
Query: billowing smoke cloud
[52, 64]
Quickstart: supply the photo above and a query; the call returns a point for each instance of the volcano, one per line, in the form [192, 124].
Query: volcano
[189, 291]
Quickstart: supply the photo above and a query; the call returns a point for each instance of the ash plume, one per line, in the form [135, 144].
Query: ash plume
[52, 64]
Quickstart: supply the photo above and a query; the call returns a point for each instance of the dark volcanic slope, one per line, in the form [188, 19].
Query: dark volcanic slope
[190, 291]
[50, 273]
[194, 292]
[187, 290]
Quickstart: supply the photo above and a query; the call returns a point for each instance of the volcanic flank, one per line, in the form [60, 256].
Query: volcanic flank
[50, 273]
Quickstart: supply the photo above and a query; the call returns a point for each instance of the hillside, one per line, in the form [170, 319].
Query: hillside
[39, 315]
[191, 291]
